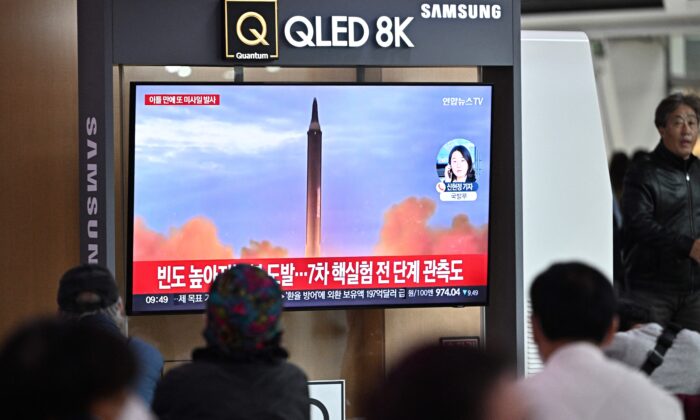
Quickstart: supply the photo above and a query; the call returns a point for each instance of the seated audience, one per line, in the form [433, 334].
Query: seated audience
[242, 373]
[54, 369]
[447, 383]
[88, 292]
[573, 315]
[677, 370]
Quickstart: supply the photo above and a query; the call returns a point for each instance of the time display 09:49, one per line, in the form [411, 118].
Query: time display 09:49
[156, 299]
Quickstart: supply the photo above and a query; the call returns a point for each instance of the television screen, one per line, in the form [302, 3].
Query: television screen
[350, 195]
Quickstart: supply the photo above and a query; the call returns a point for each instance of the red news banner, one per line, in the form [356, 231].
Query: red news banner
[180, 99]
[195, 276]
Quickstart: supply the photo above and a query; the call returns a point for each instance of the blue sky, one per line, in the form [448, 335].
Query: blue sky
[242, 164]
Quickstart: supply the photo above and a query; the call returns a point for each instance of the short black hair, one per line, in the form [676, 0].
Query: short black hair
[671, 102]
[56, 369]
[573, 301]
[447, 383]
[618, 168]
[632, 313]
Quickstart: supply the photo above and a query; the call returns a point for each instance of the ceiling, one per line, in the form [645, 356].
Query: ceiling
[549, 6]
[613, 18]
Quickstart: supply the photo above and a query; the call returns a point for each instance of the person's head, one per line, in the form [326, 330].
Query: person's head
[90, 289]
[460, 161]
[61, 369]
[632, 314]
[676, 120]
[618, 167]
[571, 302]
[447, 383]
[243, 311]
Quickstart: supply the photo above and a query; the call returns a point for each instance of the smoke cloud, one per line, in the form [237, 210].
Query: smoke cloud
[406, 232]
[196, 239]
[262, 249]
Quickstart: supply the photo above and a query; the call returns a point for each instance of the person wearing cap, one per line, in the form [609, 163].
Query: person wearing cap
[242, 372]
[89, 293]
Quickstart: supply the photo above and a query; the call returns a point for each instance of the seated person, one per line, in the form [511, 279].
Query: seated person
[242, 373]
[447, 383]
[679, 371]
[573, 316]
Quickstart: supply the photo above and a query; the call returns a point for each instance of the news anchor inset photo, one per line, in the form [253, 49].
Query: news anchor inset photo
[456, 168]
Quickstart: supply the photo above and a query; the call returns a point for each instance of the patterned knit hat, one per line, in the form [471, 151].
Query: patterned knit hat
[243, 310]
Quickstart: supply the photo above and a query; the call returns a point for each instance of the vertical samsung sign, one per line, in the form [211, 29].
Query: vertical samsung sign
[95, 127]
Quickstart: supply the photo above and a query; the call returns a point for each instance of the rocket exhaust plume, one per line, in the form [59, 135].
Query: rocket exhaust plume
[406, 231]
[198, 238]
[313, 185]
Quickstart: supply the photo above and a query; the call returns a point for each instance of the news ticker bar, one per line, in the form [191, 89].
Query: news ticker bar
[327, 298]
[322, 273]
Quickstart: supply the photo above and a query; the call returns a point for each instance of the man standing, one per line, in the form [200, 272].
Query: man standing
[573, 315]
[661, 218]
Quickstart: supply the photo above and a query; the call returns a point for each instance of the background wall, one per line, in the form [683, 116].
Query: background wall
[631, 78]
[561, 116]
[38, 154]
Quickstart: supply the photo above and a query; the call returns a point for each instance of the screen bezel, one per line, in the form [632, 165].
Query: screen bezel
[130, 185]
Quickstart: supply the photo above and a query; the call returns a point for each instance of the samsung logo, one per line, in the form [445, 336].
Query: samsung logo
[91, 204]
[460, 11]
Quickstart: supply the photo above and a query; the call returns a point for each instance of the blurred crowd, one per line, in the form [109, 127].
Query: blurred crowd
[628, 351]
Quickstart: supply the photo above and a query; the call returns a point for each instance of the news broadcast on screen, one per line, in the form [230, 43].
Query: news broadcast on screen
[350, 195]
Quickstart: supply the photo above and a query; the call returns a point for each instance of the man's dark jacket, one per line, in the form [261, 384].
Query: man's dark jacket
[661, 218]
[219, 387]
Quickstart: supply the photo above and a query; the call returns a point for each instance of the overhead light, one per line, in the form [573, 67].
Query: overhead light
[273, 69]
[172, 69]
[230, 74]
[184, 71]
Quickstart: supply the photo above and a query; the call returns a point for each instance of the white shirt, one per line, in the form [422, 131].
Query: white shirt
[579, 383]
[680, 371]
[136, 409]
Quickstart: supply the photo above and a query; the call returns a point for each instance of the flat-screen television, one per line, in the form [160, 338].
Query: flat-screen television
[350, 195]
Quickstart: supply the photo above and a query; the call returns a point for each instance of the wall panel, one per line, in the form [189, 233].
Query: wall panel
[38, 154]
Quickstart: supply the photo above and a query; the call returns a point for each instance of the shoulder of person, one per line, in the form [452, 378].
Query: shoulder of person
[690, 336]
[295, 370]
[187, 379]
[619, 343]
[637, 383]
[145, 349]
[643, 167]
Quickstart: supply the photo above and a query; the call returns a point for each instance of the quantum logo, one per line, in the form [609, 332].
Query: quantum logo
[251, 29]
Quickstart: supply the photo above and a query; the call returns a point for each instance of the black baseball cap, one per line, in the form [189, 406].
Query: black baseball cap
[86, 278]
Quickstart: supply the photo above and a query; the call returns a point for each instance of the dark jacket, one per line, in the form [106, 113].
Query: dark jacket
[148, 358]
[150, 368]
[661, 218]
[215, 386]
